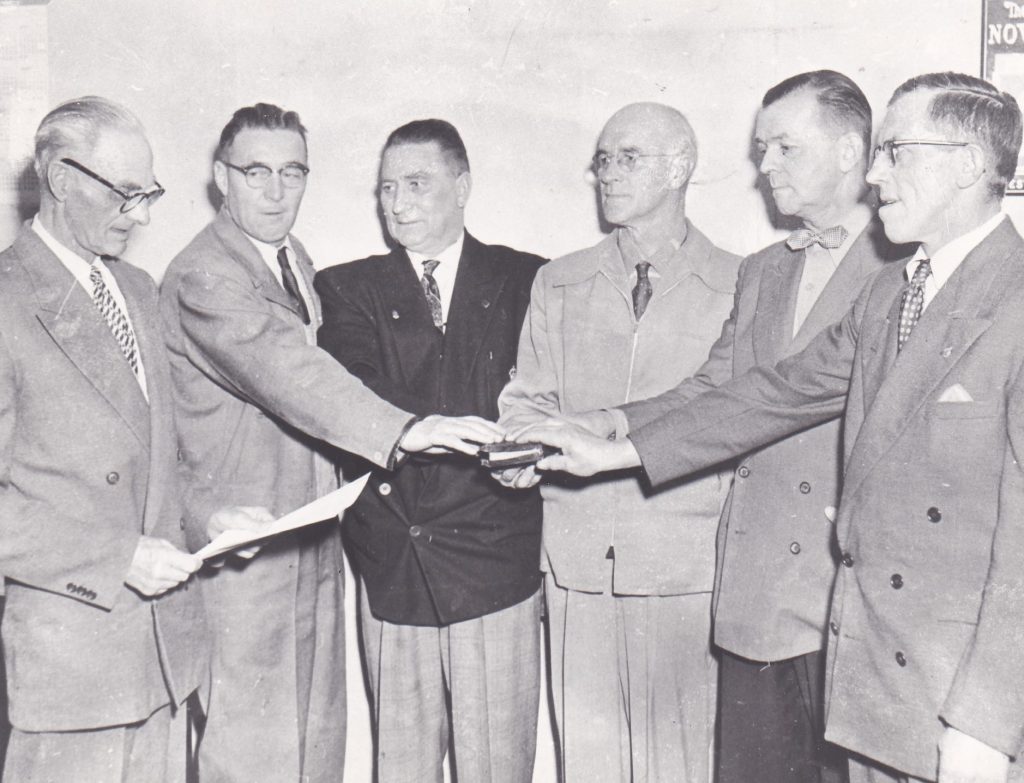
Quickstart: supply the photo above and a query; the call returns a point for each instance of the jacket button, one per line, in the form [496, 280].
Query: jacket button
[834, 628]
[896, 581]
[901, 659]
[847, 560]
[181, 455]
[415, 531]
[384, 489]
[934, 515]
[744, 471]
[795, 548]
[181, 523]
[805, 487]
[113, 478]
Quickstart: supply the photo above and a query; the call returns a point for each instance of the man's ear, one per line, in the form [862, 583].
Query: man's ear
[681, 169]
[58, 179]
[850, 147]
[970, 166]
[463, 187]
[220, 177]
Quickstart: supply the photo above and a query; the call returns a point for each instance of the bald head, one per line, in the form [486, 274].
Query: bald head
[645, 157]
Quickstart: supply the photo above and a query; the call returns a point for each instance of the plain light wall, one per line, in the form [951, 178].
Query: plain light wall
[528, 83]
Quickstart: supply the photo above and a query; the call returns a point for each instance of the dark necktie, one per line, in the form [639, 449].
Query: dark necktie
[913, 302]
[830, 238]
[432, 292]
[642, 290]
[291, 285]
[116, 320]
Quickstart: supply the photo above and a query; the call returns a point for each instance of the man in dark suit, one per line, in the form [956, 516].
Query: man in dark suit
[102, 641]
[776, 563]
[255, 399]
[447, 559]
[926, 629]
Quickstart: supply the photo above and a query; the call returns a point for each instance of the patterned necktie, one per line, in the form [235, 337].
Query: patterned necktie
[291, 285]
[913, 302]
[830, 238]
[432, 292]
[115, 318]
[642, 290]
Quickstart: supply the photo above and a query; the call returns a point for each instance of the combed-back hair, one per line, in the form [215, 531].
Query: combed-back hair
[978, 112]
[433, 130]
[74, 126]
[264, 116]
[841, 100]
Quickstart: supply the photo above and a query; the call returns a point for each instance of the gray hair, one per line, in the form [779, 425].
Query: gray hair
[75, 125]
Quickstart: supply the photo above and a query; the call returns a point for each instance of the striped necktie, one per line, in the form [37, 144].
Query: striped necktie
[115, 318]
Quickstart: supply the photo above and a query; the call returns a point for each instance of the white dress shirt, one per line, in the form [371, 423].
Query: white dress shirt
[445, 272]
[268, 253]
[80, 270]
[946, 260]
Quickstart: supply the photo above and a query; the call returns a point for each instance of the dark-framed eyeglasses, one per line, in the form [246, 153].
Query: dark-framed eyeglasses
[257, 175]
[891, 147]
[131, 200]
[626, 159]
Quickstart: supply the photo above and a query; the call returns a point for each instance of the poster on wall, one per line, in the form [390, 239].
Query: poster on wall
[1002, 59]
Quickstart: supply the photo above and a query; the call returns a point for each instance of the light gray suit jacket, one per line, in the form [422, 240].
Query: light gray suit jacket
[86, 468]
[775, 546]
[927, 619]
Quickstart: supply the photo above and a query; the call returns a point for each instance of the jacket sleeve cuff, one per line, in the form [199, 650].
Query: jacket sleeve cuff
[397, 456]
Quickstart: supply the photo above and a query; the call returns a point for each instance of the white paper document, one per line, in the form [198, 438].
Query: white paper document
[330, 505]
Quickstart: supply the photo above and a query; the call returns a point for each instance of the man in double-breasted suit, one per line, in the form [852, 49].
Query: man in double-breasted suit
[256, 398]
[776, 561]
[447, 558]
[926, 629]
[102, 641]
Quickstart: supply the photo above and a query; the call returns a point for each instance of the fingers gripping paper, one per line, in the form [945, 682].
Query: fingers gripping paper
[330, 505]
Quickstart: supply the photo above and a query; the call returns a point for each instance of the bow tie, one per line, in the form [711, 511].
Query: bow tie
[830, 238]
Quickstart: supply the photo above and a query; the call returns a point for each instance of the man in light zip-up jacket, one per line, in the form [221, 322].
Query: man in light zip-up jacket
[625, 319]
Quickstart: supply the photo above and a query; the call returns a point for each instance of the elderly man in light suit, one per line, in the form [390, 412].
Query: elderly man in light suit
[926, 632]
[102, 640]
[256, 397]
[629, 574]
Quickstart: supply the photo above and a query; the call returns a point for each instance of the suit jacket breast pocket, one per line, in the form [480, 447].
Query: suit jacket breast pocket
[976, 409]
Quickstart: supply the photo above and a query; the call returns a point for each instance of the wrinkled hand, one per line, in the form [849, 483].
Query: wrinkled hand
[517, 478]
[158, 566]
[599, 422]
[249, 518]
[583, 454]
[963, 759]
[439, 434]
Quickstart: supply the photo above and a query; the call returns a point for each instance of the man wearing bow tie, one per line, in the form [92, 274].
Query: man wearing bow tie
[257, 402]
[447, 559]
[775, 548]
[926, 626]
[629, 574]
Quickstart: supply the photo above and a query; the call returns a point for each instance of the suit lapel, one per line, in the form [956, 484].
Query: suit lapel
[960, 313]
[67, 312]
[478, 285]
[776, 302]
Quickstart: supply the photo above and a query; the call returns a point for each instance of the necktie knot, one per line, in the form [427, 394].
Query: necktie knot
[432, 292]
[291, 284]
[912, 303]
[829, 238]
[642, 291]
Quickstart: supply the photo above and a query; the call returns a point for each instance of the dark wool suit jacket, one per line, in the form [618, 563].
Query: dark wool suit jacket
[87, 465]
[437, 541]
[927, 618]
[776, 565]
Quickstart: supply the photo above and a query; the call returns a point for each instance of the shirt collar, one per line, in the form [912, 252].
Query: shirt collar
[69, 258]
[629, 250]
[449, 257]
[268, 252]
[946, 260]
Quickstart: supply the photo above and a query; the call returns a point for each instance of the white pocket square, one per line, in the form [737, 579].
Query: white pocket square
[956, 393]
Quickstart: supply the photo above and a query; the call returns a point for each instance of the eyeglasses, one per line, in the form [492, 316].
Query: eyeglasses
[626, 159]
[131, 200]
[257, 175]
[892, 145]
